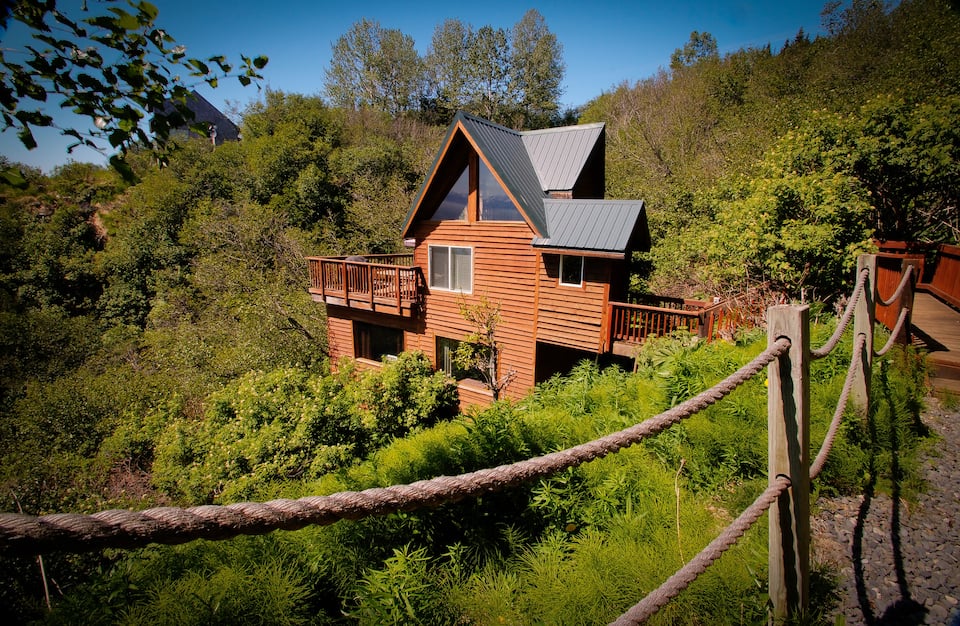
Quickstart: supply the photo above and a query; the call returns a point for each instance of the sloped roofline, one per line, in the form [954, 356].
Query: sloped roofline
[502, 150]
[592, 226]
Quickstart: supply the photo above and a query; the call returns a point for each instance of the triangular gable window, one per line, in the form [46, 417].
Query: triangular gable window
[454, 205]
[495, 204]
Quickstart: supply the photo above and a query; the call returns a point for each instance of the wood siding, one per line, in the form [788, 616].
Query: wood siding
[340, 329]
[504, 271]
[573, 317]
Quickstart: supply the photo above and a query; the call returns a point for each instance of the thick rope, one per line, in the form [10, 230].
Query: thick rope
[26, 534]
[831, 343]
[656, 599]
[904, 279]
[895, 333]
[821, 459]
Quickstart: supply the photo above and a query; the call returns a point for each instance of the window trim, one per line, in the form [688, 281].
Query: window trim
[582, 263]
[450, 257]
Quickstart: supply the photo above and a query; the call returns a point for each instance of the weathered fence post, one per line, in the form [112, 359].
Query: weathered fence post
[864, 316]
[788, 415]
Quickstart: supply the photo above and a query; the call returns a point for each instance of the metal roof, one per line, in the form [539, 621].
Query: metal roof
[529, 164]
[559, 154]
[506, 154]
[602, 226]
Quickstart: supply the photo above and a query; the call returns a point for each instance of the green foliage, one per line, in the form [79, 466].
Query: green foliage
[511, 76]
[575, 546]
[401, 593]
[875, 96]
[115, 68]
[249, 580]
[289, 424]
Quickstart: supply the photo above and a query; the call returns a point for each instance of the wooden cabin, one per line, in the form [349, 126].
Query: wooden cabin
[517, 218]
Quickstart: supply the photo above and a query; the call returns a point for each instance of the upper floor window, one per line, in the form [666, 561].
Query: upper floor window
[475, 194]
[454, 204]
[451, 268]
[495, 204]
[571, 270]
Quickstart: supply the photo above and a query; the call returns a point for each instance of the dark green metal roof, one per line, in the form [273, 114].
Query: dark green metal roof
[504, 151]
[601, 226]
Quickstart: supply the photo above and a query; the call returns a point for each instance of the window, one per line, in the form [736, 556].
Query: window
[451, 268]
[375, 342]
[495, 204]
[446, 348]
[571, 270]
[454, 204]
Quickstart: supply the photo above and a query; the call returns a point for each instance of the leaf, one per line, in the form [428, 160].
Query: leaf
[13, 177]
[148, 10]
[26, 138]
[200, 66]
[123, 168]
[125, 20]
[117, 138]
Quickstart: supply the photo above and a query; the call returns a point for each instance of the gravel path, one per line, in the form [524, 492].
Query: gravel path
[899, 563]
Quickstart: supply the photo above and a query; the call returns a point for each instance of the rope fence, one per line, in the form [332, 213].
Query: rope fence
[25, 534]
[787, 358]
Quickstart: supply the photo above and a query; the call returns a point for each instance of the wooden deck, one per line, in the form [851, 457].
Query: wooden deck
[936, 327]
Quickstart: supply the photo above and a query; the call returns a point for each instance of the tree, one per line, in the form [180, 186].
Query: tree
[480, 350]
[375, 67]
[702, 46]
[447, 66]
[489, 56]
[118, 69]
[536, 70]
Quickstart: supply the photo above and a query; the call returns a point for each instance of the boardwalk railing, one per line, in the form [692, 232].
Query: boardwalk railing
[385, 282]
[945, 281]
[787, 360]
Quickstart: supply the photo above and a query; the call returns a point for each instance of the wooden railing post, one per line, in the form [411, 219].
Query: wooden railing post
[788, 417]
[906, 300]
[863, 321]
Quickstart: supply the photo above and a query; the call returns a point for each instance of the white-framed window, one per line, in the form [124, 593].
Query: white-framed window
[571, 270]
[451, 268]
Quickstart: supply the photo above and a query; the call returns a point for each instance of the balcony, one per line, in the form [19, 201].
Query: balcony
[631, 323]
[383, 283]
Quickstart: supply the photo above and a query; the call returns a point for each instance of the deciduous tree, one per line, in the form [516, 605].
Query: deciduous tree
[372, 66]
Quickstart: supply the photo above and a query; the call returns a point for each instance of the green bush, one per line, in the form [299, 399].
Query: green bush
[289, 423]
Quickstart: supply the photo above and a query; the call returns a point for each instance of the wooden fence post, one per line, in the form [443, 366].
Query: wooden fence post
[906, 300]
[863, 321]
[788, 416]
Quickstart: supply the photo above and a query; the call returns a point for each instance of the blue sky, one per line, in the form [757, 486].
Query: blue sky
[605, 42]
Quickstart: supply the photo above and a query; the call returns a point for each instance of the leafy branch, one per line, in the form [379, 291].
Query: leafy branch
[119, 69]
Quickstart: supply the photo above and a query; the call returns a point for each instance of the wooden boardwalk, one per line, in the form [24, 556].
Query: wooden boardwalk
[936, 327]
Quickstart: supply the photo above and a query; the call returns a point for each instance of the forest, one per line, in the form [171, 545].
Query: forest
[158, 345]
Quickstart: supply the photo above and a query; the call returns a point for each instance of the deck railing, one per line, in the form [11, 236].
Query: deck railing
[376, 281]
[632, 323]
[945, 281]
